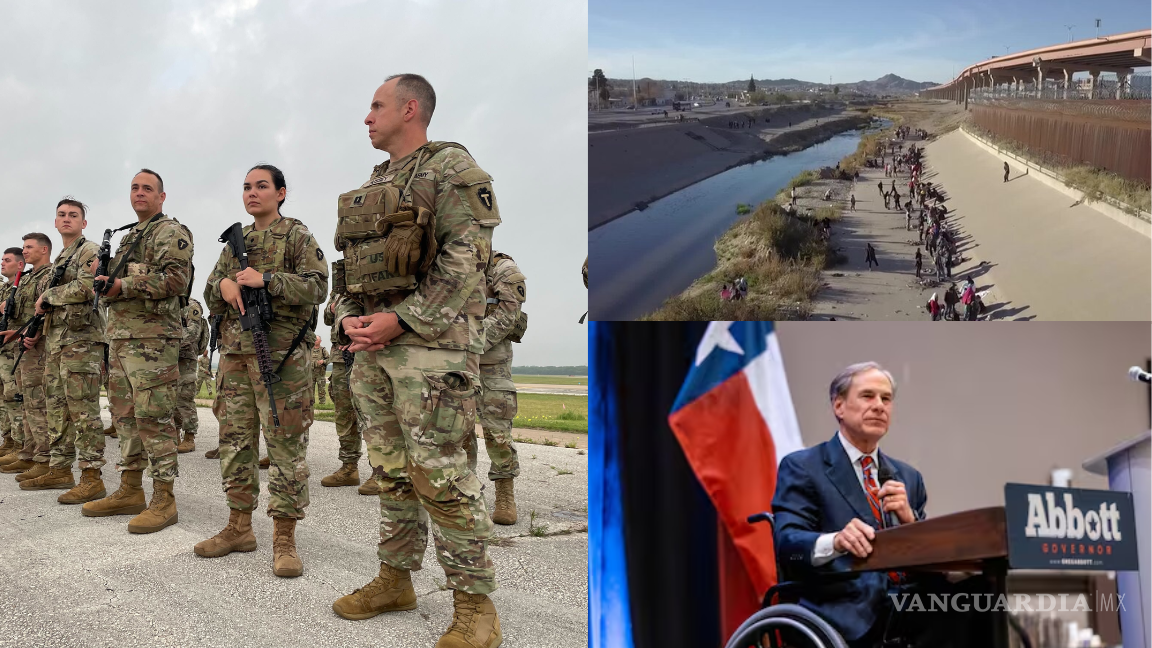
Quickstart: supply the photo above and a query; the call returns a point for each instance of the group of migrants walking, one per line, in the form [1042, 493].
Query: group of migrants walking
[925, 212]
[423, 313]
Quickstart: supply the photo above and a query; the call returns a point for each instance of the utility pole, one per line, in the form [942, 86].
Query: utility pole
[634, 83]
[1097, 28]
[1069, 32]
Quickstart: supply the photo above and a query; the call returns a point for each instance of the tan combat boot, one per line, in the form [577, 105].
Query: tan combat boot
[214, 453]
[391, 591]
[110, 431]
[35, 471]
[285, 561]
[369, 487]
[265, 462]
[188, 444]
[347, 475]
[11, 456]
[161, 511]
[18, 466]
[474, 623]
[505, 512]
[127, 500]
[54, 478]
[91, 487]
[236, 536]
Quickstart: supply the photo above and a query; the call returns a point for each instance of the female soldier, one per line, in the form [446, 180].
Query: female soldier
[285, 260]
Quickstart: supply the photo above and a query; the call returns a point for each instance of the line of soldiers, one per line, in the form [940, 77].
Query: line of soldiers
[423, 311]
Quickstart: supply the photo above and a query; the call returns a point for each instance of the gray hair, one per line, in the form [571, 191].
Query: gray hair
[414, 86]
[843, 380]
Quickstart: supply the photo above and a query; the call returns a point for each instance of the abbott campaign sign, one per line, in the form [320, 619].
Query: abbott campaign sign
[1069, 528]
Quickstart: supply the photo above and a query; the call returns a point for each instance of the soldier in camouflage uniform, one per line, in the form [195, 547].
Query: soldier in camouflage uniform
[194, 343]
[33, 458]
[504, 324]
[204, 373]
[75, 346]
[285, 259]
[12, 413]
[347, 429]
[416, 238]
[320, 359]
[151, 272]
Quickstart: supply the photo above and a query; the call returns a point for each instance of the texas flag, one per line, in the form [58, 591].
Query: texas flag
[735, 421]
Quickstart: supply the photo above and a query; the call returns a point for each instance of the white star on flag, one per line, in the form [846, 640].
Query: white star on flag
[717, 335]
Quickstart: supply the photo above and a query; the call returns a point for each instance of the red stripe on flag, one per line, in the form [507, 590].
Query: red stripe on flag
[738, 597]
[729, 446]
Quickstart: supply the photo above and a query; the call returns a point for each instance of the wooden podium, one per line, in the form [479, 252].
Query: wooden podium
[969, 541]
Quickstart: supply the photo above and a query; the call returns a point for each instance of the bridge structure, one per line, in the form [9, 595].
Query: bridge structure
[1023, 74]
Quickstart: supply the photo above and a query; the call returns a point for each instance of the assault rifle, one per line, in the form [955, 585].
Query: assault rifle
[11, 302]
[32, 328]
[105, 256]
[349, 358]
[214, 339]
[256, 317]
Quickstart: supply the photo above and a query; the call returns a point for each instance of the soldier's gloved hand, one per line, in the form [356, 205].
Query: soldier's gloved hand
[402, 250]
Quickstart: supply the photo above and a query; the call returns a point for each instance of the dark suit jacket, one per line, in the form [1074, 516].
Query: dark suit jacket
[817, 492]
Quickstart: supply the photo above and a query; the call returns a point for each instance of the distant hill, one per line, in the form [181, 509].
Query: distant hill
[581, 370]
[889, 84]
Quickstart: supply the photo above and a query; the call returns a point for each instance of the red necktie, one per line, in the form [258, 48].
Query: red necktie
[874, 501]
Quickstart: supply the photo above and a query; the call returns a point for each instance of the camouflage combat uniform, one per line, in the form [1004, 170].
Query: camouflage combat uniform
[12, 412]
[193, 343]
[299, 282]
[204, 374]
[320, 354]
[416, 398]
[75, 335]
[30, 373]
[144, 336]
[347, 431]
[504, 324]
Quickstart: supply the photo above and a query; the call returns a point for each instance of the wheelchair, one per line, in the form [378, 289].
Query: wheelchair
[765, 627]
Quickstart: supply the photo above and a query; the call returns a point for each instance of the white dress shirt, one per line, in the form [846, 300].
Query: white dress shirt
[823, 552]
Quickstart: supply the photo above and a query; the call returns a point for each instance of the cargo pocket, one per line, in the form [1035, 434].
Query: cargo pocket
[450, 405]
[76, 316]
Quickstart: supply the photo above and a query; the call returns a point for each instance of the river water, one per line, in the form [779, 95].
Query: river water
[645, 257]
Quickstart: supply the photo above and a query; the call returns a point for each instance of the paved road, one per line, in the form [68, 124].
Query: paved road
[1049, 259]
[67, 580]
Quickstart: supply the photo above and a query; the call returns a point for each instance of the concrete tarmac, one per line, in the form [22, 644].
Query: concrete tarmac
[69, 580]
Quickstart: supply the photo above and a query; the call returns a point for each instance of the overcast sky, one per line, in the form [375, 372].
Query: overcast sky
[201, 91]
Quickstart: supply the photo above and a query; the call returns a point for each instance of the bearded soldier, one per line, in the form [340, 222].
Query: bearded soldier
[504, 324]
[150, 274]
[11, 266]
[416, 238]
[33, 459]
[193, 343]
[75, 346]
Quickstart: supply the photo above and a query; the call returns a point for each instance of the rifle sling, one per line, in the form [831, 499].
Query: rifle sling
[296, 341]
[124, 260]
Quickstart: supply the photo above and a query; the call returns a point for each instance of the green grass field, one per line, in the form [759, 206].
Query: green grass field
[549, 380]
[539, 411]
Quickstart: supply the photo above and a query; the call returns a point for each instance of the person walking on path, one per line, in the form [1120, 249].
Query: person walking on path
[919, 263]
[1005, 171]
[880, 186]
[853, 202]
[870, 257]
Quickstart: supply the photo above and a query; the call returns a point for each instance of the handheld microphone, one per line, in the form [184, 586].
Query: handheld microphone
[1139, 375]
[885, 474]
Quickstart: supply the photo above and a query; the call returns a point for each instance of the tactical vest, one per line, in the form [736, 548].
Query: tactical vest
[276, 261]
[503, 269]
[366, 218]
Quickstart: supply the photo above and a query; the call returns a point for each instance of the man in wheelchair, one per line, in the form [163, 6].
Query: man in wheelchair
[829, 501]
